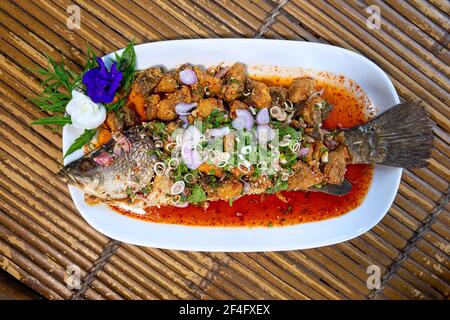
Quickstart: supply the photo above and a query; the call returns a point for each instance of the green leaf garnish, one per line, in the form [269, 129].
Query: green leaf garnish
[280, 185]
[198, 195]
[79, 142]
[115, 106]
[59, 120]
[126, 62]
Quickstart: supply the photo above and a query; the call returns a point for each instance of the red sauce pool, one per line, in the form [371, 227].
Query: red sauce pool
[268, 210]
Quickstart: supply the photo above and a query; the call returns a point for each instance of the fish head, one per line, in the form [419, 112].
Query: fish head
[118, 175]
[84, 174]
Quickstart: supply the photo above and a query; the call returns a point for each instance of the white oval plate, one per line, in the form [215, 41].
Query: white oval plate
[290, 54]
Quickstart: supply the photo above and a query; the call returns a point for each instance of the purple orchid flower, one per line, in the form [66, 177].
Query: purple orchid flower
[101, 84]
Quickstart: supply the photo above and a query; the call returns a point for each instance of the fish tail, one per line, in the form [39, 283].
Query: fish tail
[400, 137]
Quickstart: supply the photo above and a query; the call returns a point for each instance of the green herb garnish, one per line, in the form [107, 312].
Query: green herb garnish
[197, 195]
[57, 86]
[116, 106]
[126, 62]
[59, 120]
[159, 128]
[147, 189]
[79, 142]
[216, 119]
[280, 185]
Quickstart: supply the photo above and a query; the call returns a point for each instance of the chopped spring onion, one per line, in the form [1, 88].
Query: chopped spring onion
[189, 178]
[173, 163]
[262, 165]
[170, 146]
[285, 142]
[242, 167]
[246, 150]
[158, 144]
[159, 168]
[295, 147]
[224, 156]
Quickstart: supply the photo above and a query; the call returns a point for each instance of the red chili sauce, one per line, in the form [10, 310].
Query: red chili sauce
[269, 210]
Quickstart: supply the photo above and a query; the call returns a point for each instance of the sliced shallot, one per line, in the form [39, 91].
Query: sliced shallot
[192, 158]
[262, 117]
[182, 109]
[104, 159]
[188, 76]
[243, 121]
[191, 137]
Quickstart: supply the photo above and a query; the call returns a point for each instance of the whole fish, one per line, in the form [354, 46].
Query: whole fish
[400, 137]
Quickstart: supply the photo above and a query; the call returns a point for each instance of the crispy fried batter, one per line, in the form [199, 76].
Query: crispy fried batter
[260, 96]
[206, 106]
[334, 170]
[301, 89]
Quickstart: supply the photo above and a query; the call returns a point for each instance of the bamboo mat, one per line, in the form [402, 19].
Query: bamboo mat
[41, 232]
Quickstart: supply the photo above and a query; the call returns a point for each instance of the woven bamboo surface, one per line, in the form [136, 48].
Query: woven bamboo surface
[41, 232]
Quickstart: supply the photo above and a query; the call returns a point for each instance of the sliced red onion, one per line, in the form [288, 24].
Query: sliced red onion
[191, 137]
[188, 76]
[265, 133]
[222, 72]
[219, 132]
[303, 152]
[104, 159]
[262, 117]
[244, 120]
[122, 143]
[182, 109]
[192, 158]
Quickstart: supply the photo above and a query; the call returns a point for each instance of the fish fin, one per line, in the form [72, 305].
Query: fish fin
[400, 137]
[334, 189]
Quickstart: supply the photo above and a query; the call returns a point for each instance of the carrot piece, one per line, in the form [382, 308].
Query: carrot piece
[136, 100]
[103, 136]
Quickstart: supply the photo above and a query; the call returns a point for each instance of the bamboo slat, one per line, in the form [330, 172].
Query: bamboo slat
[41, 233]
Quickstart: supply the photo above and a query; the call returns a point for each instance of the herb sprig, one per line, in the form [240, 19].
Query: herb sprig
[79, 142]
[59, 82]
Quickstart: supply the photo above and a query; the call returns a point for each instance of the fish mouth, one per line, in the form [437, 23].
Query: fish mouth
[66, 177]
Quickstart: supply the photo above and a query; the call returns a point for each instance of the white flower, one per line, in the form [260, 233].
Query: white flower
[85, 113]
